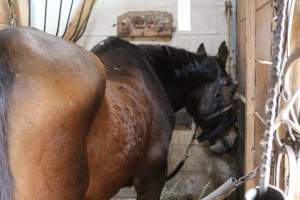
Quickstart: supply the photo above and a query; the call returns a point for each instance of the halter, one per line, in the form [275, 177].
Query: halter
[217, 113]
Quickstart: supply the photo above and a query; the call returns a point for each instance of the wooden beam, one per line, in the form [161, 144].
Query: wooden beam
[250, 90]
[78, 20]
[22, 12]
[4, 14]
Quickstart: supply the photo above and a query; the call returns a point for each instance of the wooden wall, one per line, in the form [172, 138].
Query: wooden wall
[254, 51]
[254, 28]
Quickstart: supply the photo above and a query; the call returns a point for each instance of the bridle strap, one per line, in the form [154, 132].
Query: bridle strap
[217, 113]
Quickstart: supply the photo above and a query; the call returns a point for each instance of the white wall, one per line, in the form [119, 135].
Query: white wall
[37, 17]
[208, 22]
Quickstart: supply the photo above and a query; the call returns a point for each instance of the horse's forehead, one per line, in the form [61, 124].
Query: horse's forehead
[213, 58]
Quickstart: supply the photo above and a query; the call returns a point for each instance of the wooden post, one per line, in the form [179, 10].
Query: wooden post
[4, 14]
[22, 12]
[250, 90]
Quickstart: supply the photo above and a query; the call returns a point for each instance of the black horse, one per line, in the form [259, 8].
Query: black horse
[201, 84]
[195, 81]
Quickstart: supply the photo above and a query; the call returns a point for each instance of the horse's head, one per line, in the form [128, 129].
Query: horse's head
[198, 82]
[210, 102]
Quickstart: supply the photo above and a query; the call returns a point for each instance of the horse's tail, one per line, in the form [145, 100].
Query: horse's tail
[6, 81]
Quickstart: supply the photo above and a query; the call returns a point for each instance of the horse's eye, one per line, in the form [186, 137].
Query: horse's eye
[218, 95]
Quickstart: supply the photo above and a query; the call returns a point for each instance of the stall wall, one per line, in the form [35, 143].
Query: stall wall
[203, 171]
[254, 40]
[208, 21]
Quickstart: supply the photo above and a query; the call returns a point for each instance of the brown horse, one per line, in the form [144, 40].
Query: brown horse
[75, 128]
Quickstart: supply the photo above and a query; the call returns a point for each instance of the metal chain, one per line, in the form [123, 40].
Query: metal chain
[230, 186]
[272, 103]
[275, 115]
[249, 176]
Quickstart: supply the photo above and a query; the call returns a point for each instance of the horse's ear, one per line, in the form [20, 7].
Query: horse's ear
[201, 50]
[223, 54]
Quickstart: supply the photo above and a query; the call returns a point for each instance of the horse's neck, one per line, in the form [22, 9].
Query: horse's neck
[164, 62]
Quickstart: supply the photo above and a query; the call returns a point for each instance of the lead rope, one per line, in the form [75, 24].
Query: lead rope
[186, 156]
[187, 152]
[226, 188]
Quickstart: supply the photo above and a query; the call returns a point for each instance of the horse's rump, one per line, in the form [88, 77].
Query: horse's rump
[56, 90]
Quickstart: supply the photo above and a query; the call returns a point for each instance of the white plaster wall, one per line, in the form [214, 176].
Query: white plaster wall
[38, 14]
[208, 22]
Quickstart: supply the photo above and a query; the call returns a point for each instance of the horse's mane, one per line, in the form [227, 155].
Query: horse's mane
[180, 65]
[120, 57]
[172, 65]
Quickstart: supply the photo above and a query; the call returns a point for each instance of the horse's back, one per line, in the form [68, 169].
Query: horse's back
[57, 86]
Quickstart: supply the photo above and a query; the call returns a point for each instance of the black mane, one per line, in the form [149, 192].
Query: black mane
[121, 57]
[178, 65]
[172, 65]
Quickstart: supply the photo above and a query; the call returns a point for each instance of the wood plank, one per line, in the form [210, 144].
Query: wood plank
[250, 90]
[241, 39]
[258, 133]
[241, 75]
[241, 56]
[4, 13]
[260, 3]
[241, 10]
[263, 32]
[22, 12]
[77, 22]
[208, 20]
[146, 23]
[262, 85]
